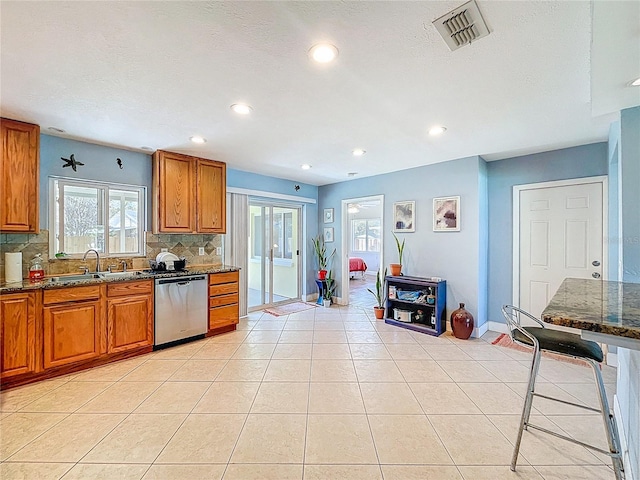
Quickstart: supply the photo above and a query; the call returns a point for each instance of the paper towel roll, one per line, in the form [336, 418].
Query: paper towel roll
[13, 267]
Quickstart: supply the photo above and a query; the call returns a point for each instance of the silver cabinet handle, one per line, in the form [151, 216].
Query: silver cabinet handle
[595, 263]
[595, 275]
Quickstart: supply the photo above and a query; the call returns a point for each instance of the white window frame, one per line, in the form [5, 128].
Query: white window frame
[366, 220]
[54, 229]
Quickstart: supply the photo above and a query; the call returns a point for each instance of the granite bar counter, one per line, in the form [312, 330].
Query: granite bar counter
[598, 307]
[60, 281]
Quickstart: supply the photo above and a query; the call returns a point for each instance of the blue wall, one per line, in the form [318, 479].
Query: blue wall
[99, 164]
[630, 189]
[454, 256]
[576, 162]
[614, 233]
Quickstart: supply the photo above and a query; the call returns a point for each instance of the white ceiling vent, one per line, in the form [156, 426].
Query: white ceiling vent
[462, 25]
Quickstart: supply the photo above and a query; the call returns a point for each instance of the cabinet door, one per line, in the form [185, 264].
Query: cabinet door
[19, 177]
[17, 334]
[174, 193]
[211, 194]
[223, 316]
[72, 332]
[130, 322]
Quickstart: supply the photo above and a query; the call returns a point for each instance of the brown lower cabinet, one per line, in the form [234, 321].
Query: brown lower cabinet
[224, 312]
[130, 315]
[18, 334]
[51, 332]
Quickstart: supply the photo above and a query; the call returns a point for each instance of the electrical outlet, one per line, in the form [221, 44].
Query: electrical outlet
[164, 250]
[218, 250]
[201, 251]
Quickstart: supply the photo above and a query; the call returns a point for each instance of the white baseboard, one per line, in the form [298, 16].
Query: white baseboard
[629, 474]
[481, 330]
[497, 327]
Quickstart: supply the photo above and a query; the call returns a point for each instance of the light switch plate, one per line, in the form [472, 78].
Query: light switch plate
[201, 251]
[218, 250]
[164, 250]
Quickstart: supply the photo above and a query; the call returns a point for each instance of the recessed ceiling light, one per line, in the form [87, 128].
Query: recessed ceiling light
[241, 108]
[323, 52]
[56, 129]
[437, 130]
[635, 83]
[306, 166]
[358, 152]
[352, 174]
[148, 149]
[198, 139]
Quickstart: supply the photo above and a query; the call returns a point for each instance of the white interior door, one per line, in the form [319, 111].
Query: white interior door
[560, 236]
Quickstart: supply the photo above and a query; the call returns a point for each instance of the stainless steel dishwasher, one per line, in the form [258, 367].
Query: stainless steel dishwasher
[181, 308]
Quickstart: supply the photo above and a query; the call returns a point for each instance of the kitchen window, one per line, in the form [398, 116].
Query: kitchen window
[105, 216]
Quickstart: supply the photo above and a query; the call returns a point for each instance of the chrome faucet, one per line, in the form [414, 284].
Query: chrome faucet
[84, 259]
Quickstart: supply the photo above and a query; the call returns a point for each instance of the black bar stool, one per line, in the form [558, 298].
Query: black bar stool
[563, 343]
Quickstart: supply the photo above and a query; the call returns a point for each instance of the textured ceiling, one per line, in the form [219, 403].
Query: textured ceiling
[132, 74]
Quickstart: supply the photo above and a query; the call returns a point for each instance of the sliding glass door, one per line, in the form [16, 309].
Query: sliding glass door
[274, 272]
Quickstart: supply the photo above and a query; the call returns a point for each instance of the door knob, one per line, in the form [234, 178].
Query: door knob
[595, 263]
[595, 275]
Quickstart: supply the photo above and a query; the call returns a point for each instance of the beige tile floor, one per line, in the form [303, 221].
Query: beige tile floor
[322, 394]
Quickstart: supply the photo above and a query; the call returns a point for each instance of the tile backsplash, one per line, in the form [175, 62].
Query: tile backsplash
[182, 245]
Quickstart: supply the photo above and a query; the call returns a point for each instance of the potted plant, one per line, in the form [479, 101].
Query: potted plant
[396, 268]
[329, 290]
[320, 250]
[378, 310]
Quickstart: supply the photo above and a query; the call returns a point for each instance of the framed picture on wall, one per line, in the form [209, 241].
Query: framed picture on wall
[328, 215]
[446, 214]
[328, 234]
[404, 216]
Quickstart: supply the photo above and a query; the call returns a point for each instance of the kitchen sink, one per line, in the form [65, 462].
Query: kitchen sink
[74, 278]
[119, 275]
[94, 276]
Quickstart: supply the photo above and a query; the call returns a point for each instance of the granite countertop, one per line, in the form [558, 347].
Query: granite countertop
[611, 308]
[46, 283]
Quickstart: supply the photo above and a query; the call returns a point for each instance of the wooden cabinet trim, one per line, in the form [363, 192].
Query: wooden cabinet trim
[19, 177]
[64, 340]
[130, 322]
[221, 300]
[71, 294]
[222, 316]
[18, 337]
[225, 277]
[137, 287]
[188, 203]
[211, 191]
[223, 289]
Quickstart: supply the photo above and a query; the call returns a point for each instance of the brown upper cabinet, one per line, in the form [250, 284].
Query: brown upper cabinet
[19, 177]
[189, 194]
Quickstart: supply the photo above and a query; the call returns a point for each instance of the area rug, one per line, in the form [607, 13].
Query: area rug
[504, 340]
[289, 308]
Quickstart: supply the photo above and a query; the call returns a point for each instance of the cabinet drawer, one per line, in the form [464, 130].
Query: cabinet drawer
[217, 278]
[221, 300]
[129, 288]
[71, 294]
[223, 289]
[223, 316]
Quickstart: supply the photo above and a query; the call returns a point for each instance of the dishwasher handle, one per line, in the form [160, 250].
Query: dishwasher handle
[180, 280]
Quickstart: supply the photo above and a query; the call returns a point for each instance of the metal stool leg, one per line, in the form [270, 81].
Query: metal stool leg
[610, 428]
[528, 403]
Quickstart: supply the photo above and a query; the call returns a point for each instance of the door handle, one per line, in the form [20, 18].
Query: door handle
[595, 263]
[595, 275]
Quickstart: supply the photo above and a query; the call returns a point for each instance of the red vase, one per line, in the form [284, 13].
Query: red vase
[462, 323]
